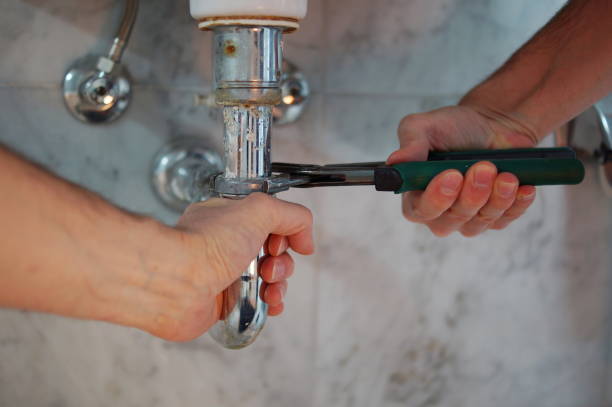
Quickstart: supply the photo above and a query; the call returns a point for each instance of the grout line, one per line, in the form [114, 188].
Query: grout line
[33, 85]
[57, 86]
[195, 89]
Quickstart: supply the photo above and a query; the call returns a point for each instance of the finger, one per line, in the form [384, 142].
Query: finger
[274, 269]
[441, 193]
[524, 198]
[276, 310]
[477, 188]
[275, 293]
[277, 244]
[503, 196]
[286, 219]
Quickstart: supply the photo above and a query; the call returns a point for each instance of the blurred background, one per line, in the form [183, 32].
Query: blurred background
[384, 314]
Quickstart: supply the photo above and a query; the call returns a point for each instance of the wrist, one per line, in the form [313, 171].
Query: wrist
[510, 128]
[142, 276]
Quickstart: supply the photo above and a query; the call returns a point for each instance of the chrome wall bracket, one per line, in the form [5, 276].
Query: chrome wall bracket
[590, 134]
[295, 95]
[97, 89]
[183, 172]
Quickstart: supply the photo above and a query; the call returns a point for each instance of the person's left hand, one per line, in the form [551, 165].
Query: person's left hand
[483, 199]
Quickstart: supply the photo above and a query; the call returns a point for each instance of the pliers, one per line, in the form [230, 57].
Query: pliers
[532, 166]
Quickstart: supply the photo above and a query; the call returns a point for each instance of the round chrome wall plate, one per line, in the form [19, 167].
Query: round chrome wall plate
[97, 90]
[182, 171]
[295, 95]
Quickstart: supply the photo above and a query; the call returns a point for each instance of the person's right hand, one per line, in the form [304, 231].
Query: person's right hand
[480, 200]
[221, 237]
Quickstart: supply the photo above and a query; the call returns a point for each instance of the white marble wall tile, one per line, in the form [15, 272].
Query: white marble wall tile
[364, 128]
[166, 48]
[305, 47]
[424, 47]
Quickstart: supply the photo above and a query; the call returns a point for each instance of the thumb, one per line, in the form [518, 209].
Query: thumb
[414, 144]
[287, 219]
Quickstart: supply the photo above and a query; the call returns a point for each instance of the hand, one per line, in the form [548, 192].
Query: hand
[480, 200]
[225, 236]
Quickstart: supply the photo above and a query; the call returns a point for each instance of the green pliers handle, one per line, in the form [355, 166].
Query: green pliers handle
[532, 166]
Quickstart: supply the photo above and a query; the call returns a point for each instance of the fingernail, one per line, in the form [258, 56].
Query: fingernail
[525, 197]
[506, 189]
[451, 183]
[277, 271]
[484, 176]
[283, 291]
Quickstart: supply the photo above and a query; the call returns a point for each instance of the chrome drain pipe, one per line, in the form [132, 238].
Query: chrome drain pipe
[248, 63]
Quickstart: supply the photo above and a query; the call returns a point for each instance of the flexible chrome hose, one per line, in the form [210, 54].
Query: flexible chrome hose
[125, 30]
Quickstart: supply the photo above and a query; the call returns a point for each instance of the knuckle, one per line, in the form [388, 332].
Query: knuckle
[475, 202]
[486, 217]
[410, 217]
[409, 211]
[456, 215]
[441, 203]
[411, 120]
[418, 215]
[511, 218]
[411, 123]
[508, 218]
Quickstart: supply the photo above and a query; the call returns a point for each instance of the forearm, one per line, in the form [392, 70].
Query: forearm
[562, 70]
[67, 251]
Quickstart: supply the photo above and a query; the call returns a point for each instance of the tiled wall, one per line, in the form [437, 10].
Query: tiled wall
[384, 314]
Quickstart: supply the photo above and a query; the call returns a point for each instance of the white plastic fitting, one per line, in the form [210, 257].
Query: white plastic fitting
[295, 9]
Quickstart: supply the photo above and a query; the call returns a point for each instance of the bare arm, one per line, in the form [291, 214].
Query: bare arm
[67, 251]
[561, 71]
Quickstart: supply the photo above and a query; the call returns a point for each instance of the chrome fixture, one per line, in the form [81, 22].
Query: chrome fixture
[590, 134]
[248, 63]
[182, 170]
[247, 85]
[604, 153]
[295, 95]
[248, 71]
[97, 89]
